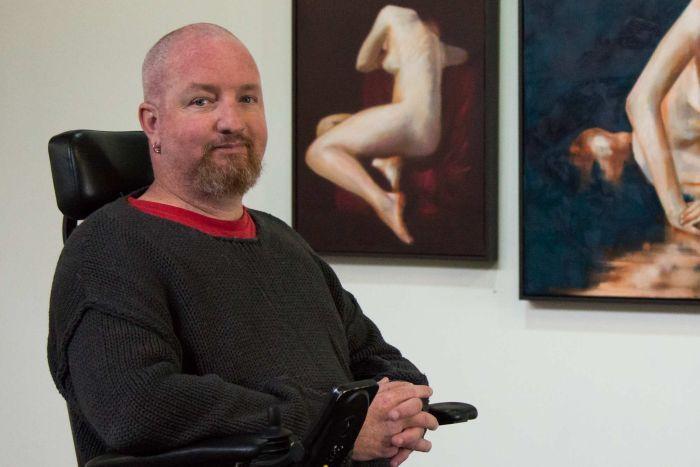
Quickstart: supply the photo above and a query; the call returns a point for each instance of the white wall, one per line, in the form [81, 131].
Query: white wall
[584, 385]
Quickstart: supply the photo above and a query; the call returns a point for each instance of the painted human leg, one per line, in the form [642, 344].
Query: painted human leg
[372, 132]
[390, 166]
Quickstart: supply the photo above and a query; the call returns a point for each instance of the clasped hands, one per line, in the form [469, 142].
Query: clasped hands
[395, 423]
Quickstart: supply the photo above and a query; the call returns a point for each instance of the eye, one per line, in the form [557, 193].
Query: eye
[249, 99]
[200, 101]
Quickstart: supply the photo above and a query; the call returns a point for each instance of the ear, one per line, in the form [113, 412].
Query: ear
[148, 117]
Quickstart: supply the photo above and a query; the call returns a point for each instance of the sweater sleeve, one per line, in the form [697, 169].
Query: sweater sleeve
[128, 384]
[371, 357]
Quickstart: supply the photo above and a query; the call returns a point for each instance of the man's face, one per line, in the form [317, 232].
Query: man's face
[211, 118]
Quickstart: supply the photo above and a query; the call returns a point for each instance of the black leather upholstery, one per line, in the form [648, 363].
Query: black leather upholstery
[448, 413]
[223, 452]
[275, 446]
[91, 168]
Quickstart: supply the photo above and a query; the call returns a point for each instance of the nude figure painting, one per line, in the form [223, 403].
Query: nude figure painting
[391, 128]
[611, 149]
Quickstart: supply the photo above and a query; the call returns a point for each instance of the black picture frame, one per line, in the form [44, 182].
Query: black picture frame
[318, 70]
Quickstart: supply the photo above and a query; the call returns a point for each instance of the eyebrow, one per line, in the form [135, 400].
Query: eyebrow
[248, 87]
[202, 87]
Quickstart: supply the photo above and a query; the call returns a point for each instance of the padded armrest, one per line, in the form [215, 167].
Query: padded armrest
[223, 452]
[448, 413]
[235, 449]
[275, 446]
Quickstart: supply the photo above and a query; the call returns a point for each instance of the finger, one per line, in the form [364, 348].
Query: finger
[399, 458]
[387, 452]
[692, 216]
[422, 420]
[401, 393]
[394, 384]
[690, 229]
[691, 205]
[422, 445]
[689, 213]
[408, 437]
[406, 409]
[391, 394]
[391, 385]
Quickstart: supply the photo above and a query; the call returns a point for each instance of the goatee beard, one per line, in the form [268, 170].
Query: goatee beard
[234, 177]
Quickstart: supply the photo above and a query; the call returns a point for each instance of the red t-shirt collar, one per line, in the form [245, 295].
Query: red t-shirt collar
[244, 227]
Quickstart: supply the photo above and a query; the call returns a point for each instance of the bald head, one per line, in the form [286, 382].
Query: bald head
[155, 65]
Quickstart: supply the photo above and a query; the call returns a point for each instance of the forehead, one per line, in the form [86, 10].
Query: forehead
[221, 62]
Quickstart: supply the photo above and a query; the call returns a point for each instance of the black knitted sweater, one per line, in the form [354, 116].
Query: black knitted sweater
[161, 335]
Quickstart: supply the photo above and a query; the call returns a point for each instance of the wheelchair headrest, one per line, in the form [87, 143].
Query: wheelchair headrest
[92, 168]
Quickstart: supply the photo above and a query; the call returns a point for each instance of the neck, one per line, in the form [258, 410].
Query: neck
[224, 208]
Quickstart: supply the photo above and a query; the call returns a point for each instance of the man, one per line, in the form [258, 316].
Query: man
[179, 315]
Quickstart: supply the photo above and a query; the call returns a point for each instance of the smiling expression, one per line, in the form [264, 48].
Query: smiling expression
[210, 117]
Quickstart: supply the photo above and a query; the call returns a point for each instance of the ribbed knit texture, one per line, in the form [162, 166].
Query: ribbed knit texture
[161, 335]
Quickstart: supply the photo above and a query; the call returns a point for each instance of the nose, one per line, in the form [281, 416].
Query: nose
[229, 118]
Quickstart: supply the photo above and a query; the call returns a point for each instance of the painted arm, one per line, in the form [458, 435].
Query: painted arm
[370, 56]
[673, 54]
[368, 59]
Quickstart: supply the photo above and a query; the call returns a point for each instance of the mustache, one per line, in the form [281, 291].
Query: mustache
[233, 138]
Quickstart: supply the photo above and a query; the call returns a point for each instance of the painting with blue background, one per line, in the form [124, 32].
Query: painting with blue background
[580, 61]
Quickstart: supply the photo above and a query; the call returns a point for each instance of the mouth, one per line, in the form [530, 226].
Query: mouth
[237, 149]
[230, 146]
